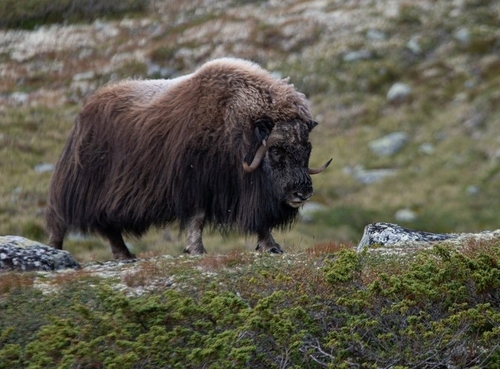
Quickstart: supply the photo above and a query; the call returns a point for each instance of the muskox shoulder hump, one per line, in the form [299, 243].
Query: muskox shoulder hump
[233, 63]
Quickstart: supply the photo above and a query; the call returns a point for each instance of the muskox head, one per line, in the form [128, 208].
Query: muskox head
[283, 155]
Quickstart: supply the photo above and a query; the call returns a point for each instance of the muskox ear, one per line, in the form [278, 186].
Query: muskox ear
[262, 129]
[311, 124]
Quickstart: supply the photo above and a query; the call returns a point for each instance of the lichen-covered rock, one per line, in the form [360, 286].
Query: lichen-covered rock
[22, 254]
[399, 92]
[369, 176]
[392, 238]
[389, 144]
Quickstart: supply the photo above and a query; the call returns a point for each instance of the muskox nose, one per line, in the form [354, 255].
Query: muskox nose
[302, 196]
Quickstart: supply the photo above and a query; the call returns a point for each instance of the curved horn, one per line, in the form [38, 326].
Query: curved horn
[320, 169]
[259, 156]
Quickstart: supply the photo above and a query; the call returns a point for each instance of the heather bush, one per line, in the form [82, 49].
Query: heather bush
[438, 308]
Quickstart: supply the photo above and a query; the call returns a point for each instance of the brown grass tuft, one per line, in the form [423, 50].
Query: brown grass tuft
[473, 247]
[68, 277]
[145, 274]
[12, 280]
[327, 248]
[229, 260]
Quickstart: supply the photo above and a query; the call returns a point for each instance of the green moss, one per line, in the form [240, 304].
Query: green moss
[30, 13]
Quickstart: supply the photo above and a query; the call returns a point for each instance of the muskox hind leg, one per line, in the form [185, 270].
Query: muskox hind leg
[194, 243]
[266, 243]
[118, 247]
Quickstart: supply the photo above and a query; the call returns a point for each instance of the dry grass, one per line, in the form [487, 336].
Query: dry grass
[473, 247]
[326, 248]
[66, 278]
[147, 272]
[14, 280]
[233, 258]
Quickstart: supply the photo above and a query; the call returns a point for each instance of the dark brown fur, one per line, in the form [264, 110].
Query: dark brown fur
[146, 153]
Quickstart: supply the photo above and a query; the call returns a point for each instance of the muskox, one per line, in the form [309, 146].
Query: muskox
[227, 145]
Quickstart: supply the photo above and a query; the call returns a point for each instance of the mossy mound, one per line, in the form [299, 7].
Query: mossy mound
[328, 307]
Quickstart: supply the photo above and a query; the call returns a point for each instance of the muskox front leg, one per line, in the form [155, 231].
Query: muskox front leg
[194, 243]
[56, 227]
[266, 243]
[118, 247]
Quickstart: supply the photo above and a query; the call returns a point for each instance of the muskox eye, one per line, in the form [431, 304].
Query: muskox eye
[276, 153]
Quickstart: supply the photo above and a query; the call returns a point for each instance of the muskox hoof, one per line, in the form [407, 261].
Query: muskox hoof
[194, 252]
[275, 249]
[124, 256]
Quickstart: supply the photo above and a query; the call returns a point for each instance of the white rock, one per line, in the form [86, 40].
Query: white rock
[414, 46]
[307, 211]
[44, 167]
[369, 176]
[405, 215]
[353, 56]
[426, 148]
[19, 98]
[399, 92]
[376, 35]
[472, 190]
[391, 239]
[389, 144]
[84, 76]
[462, 35]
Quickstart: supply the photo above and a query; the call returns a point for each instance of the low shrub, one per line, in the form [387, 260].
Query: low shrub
[330, 310]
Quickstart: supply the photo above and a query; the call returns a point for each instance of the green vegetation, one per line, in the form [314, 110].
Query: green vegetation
[440, 308]
[30, 13]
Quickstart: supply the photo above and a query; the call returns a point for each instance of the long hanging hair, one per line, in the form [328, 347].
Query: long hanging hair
[145, 153]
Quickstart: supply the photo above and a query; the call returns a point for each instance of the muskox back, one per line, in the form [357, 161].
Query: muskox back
[147, 153]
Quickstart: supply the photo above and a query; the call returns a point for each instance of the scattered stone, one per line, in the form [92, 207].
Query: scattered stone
[387, 238]
[405, 215]
[105, 29]
[83, 87]
[354, 56]
[307, 211]
[399, 92]
[462, 35]
[19, 98]
[369, 176]
[389, 144]
[157, 71]
[84, 76]
[376, 35]
[472, 190]
[22, 254]
[44, 167]
[426, 148]
[414, 46]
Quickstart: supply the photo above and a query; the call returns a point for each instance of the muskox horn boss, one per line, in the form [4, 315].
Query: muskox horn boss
[257, 159]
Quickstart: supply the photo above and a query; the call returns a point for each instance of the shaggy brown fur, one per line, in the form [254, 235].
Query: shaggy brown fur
[145, 153]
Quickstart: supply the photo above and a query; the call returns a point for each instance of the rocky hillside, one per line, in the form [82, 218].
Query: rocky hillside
[406, 94]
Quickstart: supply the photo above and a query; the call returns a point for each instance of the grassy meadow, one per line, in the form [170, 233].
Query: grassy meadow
[454, 76]
[321, 304]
